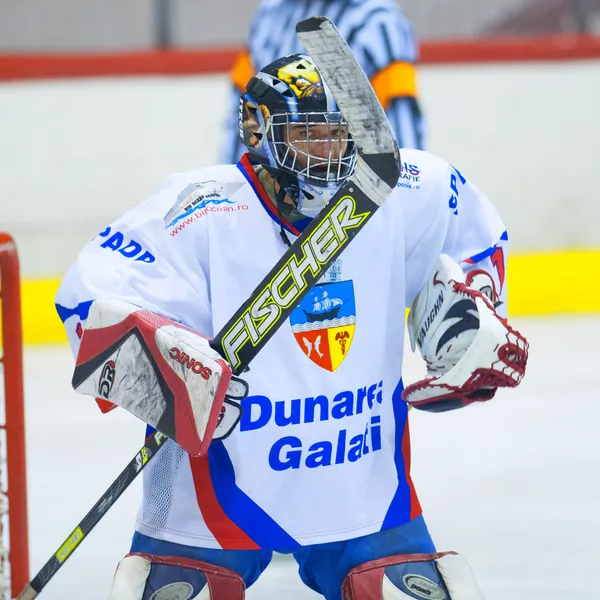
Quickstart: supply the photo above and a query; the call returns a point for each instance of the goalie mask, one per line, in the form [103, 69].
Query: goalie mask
[291, 124]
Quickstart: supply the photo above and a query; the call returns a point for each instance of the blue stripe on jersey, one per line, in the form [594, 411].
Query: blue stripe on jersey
[489, 251]
[400, 509]
[240, 508]
[81, 310]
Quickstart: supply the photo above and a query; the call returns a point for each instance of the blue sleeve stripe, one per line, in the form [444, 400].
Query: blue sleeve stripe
[81, 310]
[488, 252]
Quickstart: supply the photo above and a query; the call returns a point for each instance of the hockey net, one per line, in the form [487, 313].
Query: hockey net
[14, 552]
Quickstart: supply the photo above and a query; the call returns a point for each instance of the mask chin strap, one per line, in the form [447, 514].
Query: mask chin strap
[279, 200]
[288, 185]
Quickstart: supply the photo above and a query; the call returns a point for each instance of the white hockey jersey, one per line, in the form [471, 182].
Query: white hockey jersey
[322, 452]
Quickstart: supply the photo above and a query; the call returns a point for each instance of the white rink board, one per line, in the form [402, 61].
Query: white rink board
[77, 153]
[512, 485]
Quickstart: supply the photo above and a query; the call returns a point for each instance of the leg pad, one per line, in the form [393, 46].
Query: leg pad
[439, 576]
[149, 577]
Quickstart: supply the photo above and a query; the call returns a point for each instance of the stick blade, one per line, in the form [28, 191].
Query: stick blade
[354, 95]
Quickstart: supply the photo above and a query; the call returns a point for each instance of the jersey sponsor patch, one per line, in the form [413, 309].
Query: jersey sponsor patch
[454, 196]
[118, 242]
[198, 196]
[323, 323]
[410, 177]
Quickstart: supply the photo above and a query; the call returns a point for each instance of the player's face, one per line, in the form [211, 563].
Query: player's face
[322, 144]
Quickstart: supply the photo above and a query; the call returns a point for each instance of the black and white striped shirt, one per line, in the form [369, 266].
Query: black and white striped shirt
[377, 32]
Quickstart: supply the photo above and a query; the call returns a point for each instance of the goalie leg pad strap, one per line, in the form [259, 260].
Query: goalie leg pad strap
[149, 577]
[439, 576]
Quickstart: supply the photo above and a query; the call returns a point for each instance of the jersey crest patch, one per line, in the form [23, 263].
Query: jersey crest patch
[199, 195]
[324, 321]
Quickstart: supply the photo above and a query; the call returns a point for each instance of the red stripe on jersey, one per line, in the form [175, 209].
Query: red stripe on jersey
[497, 259]
[226, 532]
[415, 506]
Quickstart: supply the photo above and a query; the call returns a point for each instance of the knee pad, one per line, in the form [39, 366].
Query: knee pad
[148, 577]
[440, 576]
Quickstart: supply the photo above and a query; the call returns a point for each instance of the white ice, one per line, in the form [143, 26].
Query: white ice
[513, 485]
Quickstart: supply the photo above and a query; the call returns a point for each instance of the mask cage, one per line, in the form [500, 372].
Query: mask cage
[326, 155]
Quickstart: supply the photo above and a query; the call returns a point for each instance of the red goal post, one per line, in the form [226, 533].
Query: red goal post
[14, 549]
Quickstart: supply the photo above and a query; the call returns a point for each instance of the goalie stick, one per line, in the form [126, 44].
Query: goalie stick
[245, 334]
